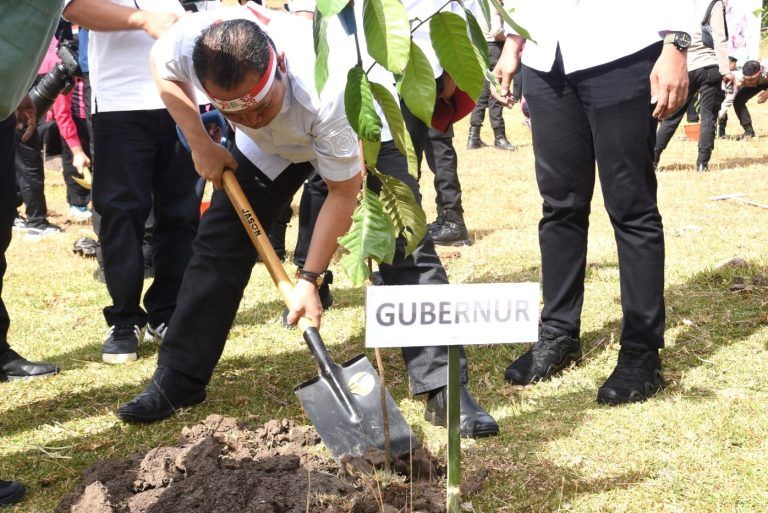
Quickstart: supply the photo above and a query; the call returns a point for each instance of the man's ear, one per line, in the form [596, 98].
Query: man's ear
[281, 62]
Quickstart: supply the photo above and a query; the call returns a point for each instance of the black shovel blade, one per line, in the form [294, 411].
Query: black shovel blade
[354, 432]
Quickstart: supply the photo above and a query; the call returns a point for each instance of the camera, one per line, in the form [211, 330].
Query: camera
[59, 79]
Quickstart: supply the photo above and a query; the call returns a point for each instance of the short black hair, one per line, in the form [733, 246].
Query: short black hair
[228, 50]
[733, 59]
[750, 68]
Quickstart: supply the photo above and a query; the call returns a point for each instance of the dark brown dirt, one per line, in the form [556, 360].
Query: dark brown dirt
[224, 466]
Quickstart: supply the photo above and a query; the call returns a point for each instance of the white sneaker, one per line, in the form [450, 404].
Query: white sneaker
[155, 333]
[20, 224]
[79, 214]
[43, 230]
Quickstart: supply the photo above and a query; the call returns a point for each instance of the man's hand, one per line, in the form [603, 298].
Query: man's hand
[79, 159]
[26, 118]
[449, 87]
[669, 82]
[728, 78]
[305, 303]
[211, 160]
[506, 67]
[762, 97]
[156, 23]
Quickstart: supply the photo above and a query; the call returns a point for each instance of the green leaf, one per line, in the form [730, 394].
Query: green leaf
[456, 53]
[371, 152]
[400, 134]
[486, 9]
[509, 21]
[371, 235]
[330, 7]
[418, 85]
[405, 212]
[387, 33]
[319, 29]
[478, 40]
[358, 105]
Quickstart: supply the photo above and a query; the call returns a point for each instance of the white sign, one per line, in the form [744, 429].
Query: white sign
[441, 315]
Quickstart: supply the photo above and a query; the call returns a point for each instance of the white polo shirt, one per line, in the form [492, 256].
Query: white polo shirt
[309, 128]
[594, 32]
[119, 63]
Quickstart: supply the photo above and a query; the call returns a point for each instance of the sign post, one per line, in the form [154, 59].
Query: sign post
[452, 315]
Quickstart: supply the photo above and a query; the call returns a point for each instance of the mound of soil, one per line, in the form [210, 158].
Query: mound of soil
[224, 466]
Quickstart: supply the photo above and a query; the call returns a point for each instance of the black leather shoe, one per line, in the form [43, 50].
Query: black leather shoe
[553, 352]
[502, 143]
[326, 298]
[13, 367]
[474, 421]
[637, 377]
[473, 141]
[11, 492]
[702, 167]
[167, 392]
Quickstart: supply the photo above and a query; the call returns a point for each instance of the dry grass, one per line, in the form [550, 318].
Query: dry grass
[698, 447]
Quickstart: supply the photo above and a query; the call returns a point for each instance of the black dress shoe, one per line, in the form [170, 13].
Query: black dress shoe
[501, 142]
[13, 367]
[473, 141]
[167, 392]
[474, 421]
[11, 492]
[553, 352]
[702, 167]
[637, 377]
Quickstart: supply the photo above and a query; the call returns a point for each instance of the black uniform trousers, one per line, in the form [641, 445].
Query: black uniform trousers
[740, 104]
[486, 100]
[601, 114]
[223, 258]
[7, 211]
[707, 82]
[444, 163]
[141, 166]
[30, 176]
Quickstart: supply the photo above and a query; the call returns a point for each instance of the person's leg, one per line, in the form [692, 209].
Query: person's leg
[31, 179]
[427, 366]
[668, 127]
[496, 110]
[312, 199]
[565, 173]
[213, 284]
[443, 161]
[712, 96]
[176, 209]
[7, 211]
[126, 147]
[12, 365]
[742, 112]
[477, 117]
[612, 95]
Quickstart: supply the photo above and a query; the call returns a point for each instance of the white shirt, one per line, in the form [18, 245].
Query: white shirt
[309, 128]
[594, 32]
[119, 63]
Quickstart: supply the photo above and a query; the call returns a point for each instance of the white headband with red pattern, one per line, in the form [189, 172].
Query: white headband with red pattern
[255, 95]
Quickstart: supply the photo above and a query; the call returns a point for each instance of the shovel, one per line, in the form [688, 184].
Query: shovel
[343, 401]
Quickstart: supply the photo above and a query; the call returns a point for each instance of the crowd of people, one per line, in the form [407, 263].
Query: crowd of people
[146, 68]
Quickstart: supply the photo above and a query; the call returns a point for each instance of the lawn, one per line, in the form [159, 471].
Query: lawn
[699, 446]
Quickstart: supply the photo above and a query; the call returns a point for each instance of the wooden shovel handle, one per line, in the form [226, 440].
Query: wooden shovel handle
[260, 241]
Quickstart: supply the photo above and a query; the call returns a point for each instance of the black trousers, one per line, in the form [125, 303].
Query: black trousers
[221, 264]
[77, 195]
[740, 104]
[601, 114]
[141, 166]
[708, 83]
[7, 211]
[30, 176]
[487, 101]
[441, 159]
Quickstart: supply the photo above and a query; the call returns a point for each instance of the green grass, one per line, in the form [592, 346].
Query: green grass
[700, 446]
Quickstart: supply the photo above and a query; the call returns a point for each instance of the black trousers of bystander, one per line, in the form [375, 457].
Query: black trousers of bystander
[7, 211]
[600, 114]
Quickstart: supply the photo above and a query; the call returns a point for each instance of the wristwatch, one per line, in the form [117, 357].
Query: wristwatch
[315, 278]
[680, 40]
